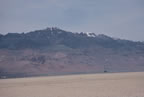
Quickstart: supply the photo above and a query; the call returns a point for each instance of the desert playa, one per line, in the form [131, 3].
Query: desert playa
[88, 85]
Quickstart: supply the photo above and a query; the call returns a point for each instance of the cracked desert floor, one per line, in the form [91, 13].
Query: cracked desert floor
[88, 85]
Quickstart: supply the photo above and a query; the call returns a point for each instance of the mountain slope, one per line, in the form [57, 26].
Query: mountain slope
[53, 51]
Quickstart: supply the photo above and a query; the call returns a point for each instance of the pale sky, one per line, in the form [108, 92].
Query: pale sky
[117, 18]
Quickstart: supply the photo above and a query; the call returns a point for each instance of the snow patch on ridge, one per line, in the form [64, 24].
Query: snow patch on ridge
[90, 34]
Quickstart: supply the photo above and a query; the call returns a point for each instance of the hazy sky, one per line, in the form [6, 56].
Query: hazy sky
[117, 18]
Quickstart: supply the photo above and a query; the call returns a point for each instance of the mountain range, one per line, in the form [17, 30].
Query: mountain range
[53, 51]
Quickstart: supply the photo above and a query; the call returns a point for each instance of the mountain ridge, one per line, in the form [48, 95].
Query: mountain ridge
[51, 36]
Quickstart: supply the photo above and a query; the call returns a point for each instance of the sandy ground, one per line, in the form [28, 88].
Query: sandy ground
[89, 85]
